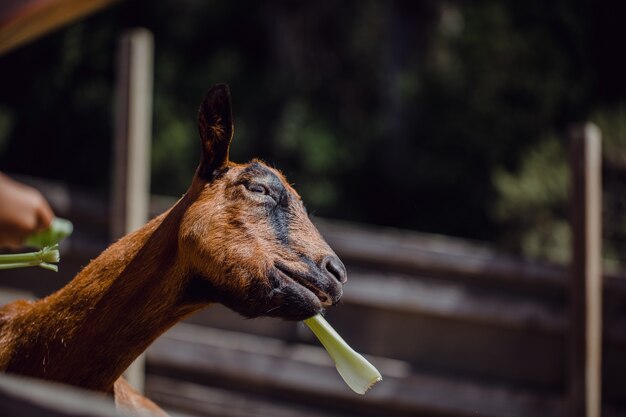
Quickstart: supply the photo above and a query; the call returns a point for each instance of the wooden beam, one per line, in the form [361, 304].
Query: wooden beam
[305, 374]
[27, 397]
[586, 272]
[203, 400]
[22, 21]
[131, 169]
[438, 256]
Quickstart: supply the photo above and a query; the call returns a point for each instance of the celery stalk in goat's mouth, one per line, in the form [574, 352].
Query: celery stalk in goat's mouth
[356, 371]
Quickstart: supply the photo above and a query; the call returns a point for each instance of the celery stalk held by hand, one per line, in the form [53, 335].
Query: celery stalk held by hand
[59, 229]
[356, 371]
[45, 258]
[48, 256]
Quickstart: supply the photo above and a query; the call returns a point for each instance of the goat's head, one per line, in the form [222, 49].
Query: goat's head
[247, 238]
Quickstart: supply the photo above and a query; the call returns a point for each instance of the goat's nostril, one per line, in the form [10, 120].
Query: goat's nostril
[335, 267]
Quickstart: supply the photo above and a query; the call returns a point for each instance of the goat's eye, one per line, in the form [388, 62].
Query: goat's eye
[257, 188]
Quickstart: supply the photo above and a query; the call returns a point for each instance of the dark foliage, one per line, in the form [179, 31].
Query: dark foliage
[398, 112]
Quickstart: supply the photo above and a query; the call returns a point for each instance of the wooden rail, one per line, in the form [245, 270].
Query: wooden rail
[24, 397]
[22, 21]
[378, 248]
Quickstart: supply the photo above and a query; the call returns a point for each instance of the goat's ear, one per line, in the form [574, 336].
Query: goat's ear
[215, 124]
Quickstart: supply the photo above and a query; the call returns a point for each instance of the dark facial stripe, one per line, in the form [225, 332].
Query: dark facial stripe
[279, 220]
[256, 169]
[279, 216]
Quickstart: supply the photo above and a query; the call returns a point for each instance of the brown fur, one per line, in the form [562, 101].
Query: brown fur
[239, 236]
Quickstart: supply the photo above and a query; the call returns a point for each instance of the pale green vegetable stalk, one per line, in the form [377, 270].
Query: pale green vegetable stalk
[48, 241]
[44, 258]
[59, 229]
[359, 374]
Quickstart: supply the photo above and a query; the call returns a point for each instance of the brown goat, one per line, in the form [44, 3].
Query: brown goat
[239, 236]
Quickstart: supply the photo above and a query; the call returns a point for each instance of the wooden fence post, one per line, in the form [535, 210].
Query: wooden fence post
[131, 166]
[585, 343]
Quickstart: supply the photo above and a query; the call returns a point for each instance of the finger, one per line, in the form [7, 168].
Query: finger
[44, 215]
[11, 237]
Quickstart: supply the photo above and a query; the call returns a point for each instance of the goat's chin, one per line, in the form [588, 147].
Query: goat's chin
[286, 300]
[293, 302]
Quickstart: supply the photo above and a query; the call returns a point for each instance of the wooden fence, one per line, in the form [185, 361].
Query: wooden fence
[456, 328]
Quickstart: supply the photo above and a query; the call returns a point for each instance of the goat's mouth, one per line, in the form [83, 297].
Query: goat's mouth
[304, 293]
[308, 282]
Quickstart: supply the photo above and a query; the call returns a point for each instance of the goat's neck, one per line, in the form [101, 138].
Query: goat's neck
[91, 330]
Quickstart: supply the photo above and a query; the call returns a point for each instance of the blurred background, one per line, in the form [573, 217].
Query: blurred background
[437, 116]
[415, 131]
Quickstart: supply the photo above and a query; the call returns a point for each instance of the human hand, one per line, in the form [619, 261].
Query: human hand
[23, 211]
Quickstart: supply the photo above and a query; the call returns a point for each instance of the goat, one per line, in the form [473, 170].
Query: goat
[239, 236]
